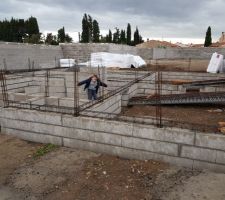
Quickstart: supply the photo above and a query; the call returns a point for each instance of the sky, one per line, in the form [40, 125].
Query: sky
[172, 20]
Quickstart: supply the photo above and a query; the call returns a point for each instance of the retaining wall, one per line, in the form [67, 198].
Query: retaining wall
[82, 52]
[16, 55]
[129, 140]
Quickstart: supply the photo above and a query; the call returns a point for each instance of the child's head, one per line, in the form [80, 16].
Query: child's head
[94, 78]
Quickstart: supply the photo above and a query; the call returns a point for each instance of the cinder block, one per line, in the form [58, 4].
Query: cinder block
[33, 137]
[150, 145]
[58, 89]
[213, 141]
[66, 102]
[75, 133]
[198, 153]
[220, 157]
[95, 124]
[78, 144]
[107, 138]
[32, 116]
[54, 101]
[96, 147]
[53, 82]
[166, 134]
[32, 89]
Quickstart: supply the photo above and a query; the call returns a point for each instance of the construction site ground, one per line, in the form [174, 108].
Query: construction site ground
[64, 173]
[176, 66]
[205, 118]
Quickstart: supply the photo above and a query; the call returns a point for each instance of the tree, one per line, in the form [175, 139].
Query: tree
[116, 36]
[96, 31]
[51, 39]
[21, 30]
[61, 35]
[208, 37]
[31, 26]
[68, 39]
[90, 28]
[129, 34]
[34, 39]
[137, 37]
[109, 37]
[17, 30]
[87, 34]
[123, 39]
[85, 29]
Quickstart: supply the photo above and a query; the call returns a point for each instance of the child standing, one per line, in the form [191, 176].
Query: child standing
[92, 85]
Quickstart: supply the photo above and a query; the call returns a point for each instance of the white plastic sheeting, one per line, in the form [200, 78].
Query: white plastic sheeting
[115, 60]
[67, 62]
[216, 64]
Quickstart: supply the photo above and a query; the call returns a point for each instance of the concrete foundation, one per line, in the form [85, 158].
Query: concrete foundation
[130, 140]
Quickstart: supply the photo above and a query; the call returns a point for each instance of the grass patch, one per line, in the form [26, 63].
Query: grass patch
[44, 150]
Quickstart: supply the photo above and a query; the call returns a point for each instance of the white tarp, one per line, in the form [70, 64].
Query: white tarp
[67, 62]
[115, 60]
[216, 64]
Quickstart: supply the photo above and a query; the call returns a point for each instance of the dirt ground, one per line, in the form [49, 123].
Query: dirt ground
[74, 174]
[176, 66]
[199, 115]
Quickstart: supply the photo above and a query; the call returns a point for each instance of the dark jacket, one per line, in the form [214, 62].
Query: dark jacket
[87, 83]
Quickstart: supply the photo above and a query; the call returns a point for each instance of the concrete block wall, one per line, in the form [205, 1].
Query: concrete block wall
[17, 55]
[61, 83]
[146, 88]
[82, 52]
[192, 76]
[108, 108]
[129, 93]
[18, 84]
[186, 53]
[129, 140]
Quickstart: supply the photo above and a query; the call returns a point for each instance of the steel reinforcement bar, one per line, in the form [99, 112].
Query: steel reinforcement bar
[189, 98]
[205, 83]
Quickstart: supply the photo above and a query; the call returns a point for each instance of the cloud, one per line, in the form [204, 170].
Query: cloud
[155, 18]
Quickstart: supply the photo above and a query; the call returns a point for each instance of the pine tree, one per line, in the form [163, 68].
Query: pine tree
[136, 36]
[32, 26]
[85, 29]
[90, 28]
[61, 35]
[128, 34]
[116, 36]
[208, 37]
[17, 30]
[109, 37]
[123, 39]
[96, 31]
[21, 30]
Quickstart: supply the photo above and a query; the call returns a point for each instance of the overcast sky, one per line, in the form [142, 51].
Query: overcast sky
[178, 20]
